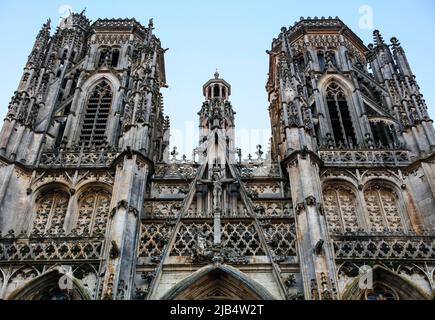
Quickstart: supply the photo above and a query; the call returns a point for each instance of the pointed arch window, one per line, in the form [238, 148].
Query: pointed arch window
[339, 113]
[96, 115]
[340, 205]
[51, 208]
[382, 205]
[94, 206]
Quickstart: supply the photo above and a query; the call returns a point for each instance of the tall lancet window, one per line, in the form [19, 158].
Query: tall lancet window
[339, 114]
[96, 115]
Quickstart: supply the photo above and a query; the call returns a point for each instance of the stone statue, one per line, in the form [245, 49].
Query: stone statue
[217, 190]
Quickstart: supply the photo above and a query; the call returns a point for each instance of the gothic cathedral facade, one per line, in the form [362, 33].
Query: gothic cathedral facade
[94, 204]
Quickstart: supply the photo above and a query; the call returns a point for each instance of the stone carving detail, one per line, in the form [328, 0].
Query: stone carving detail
[263, 189]
[281, 238]
[192, 239]
[217, 253]
[50, 213]
[383, 210]
[340, 207]
[176, 169]
[254, 168]
[365, 157]
[78, 157]
[55, 249]
[143, 288]
[195, 239]
[272, 209]
[243, 238]
[153, 239]
[379, 248]
[94, 208]
[163, 209]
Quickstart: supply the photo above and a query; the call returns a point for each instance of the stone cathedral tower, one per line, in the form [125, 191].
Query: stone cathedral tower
[93, 205]
[352, 132]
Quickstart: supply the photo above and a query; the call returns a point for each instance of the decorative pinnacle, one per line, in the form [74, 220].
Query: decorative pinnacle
[395, 42]
[378, 38]
[216, 74]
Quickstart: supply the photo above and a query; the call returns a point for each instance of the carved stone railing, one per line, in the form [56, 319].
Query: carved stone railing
[61, 249]
[251, 170]
[87, 158]
[365, 157]
[176, 170]
[385, 248]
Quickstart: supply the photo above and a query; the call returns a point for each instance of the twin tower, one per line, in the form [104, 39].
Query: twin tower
[95, 205]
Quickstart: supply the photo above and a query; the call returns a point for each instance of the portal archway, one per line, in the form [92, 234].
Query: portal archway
[46, 287]
[218, 283]
[389, 284]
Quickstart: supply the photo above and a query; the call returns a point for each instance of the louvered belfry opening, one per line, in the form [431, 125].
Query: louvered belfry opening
[339, 114]
[97, 113]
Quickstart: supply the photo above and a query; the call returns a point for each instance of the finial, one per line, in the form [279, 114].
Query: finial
[216, 74]
[395, 42]
[378, 38]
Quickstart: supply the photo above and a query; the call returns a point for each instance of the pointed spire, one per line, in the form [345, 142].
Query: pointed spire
[216, 74]
[40, 43]
[400, 57]
[377, 37]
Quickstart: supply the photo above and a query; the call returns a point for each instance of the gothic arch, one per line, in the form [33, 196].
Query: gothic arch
[218, 282]
[92, 81]
[401, 288]
[340, 110]
[342, 206]
[93, 209]
[18, 277]
[383, 201]
[49, 209]
[342, 81]
[86, 91]
[84, 185]
[349, 180]
[46, 287]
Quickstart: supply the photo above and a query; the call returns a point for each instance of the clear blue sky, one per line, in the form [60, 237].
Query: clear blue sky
[231, 35]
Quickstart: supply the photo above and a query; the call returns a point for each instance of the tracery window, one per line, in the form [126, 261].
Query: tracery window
[96, 115]
[340, 206]
[94, 206]
[51, 208]
[382, 205]
[339, 113]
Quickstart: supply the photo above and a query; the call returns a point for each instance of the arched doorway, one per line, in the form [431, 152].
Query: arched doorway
[218, 283]
[48, 287]
[386, 286]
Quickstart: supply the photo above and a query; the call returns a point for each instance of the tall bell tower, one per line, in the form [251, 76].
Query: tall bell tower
[351, 129]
